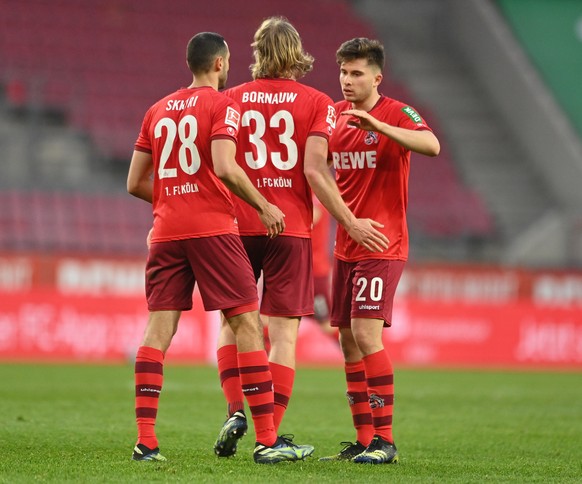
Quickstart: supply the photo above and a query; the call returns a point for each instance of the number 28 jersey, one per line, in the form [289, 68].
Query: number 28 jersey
[189, 200]
[277, 117]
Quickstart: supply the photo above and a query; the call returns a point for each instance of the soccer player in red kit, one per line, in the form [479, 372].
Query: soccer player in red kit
[370, 151]
[283, 147]
[184, 164]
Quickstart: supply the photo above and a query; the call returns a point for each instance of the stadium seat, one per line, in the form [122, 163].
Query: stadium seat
[105, 63]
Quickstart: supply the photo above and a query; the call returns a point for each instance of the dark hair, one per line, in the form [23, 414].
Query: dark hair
[361, 48]
[202, 49]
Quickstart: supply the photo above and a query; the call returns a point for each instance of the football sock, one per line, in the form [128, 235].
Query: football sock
[380, 378]
[283, 378]
[149, 376]
[359, 401]
[257, 387]
[229, 378]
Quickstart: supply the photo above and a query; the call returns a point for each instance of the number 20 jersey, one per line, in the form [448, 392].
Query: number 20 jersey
[277, 117]
[189, 200]
[372, 176]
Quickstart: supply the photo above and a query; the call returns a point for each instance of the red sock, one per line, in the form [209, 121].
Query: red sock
[229, 378]
[380, 377]
[149, 377]
[358, 399]
[257, 387]
[283, 378]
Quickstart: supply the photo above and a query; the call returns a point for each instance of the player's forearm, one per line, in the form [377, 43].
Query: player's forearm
[419, 141]
[325, 189]
[139, 180]
[238, 183]
[141, 189]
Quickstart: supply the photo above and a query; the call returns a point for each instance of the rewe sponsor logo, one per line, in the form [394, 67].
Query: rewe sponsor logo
[353, 160]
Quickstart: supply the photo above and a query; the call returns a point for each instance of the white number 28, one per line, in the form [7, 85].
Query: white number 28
[186, 130]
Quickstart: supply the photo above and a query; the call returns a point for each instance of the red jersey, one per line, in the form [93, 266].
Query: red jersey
[372, 175]
[277, 117]
[189, 200]
[320, 241]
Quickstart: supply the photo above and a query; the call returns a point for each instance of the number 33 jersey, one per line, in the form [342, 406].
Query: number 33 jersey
[189, 199]
[277, 117]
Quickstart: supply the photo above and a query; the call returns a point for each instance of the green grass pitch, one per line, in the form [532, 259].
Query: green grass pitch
[76, 424]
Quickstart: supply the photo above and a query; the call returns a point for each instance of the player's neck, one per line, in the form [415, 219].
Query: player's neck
[368, 103]
[204, 81]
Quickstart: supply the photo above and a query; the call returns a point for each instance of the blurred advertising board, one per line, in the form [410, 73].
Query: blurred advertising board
[93, 309]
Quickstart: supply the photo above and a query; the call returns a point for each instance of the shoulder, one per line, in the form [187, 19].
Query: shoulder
[313, 93]
[223, 99]
[391, 105]
[236, 91]
[404, 111]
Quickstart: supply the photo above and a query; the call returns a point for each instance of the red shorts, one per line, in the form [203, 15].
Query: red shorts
[286, 264]
[218, 264]
[322, 298]
[364, 289]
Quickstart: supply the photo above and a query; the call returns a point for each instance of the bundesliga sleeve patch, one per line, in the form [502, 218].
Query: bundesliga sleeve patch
[330, 116]
[412, 114]
[232, 117]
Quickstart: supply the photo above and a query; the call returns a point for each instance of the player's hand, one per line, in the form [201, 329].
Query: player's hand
[149, 238]
[273, 219]
[364, 233]
[361, 119]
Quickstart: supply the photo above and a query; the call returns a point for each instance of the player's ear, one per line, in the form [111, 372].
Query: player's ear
[378, 79]
[218, 63]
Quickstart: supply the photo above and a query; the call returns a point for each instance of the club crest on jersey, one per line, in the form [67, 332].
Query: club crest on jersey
[371, 138]
[232, 117]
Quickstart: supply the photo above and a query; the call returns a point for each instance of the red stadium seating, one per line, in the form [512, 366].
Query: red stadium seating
[104, 63]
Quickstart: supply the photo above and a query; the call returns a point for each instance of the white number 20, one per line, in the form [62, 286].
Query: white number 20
[376, 288]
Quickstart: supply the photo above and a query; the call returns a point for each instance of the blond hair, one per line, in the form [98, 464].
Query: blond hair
[278, 51]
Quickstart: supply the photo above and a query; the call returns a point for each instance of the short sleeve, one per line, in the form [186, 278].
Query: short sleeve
[325, 116]
[226, 118]
[143, 142]
[411, 119]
